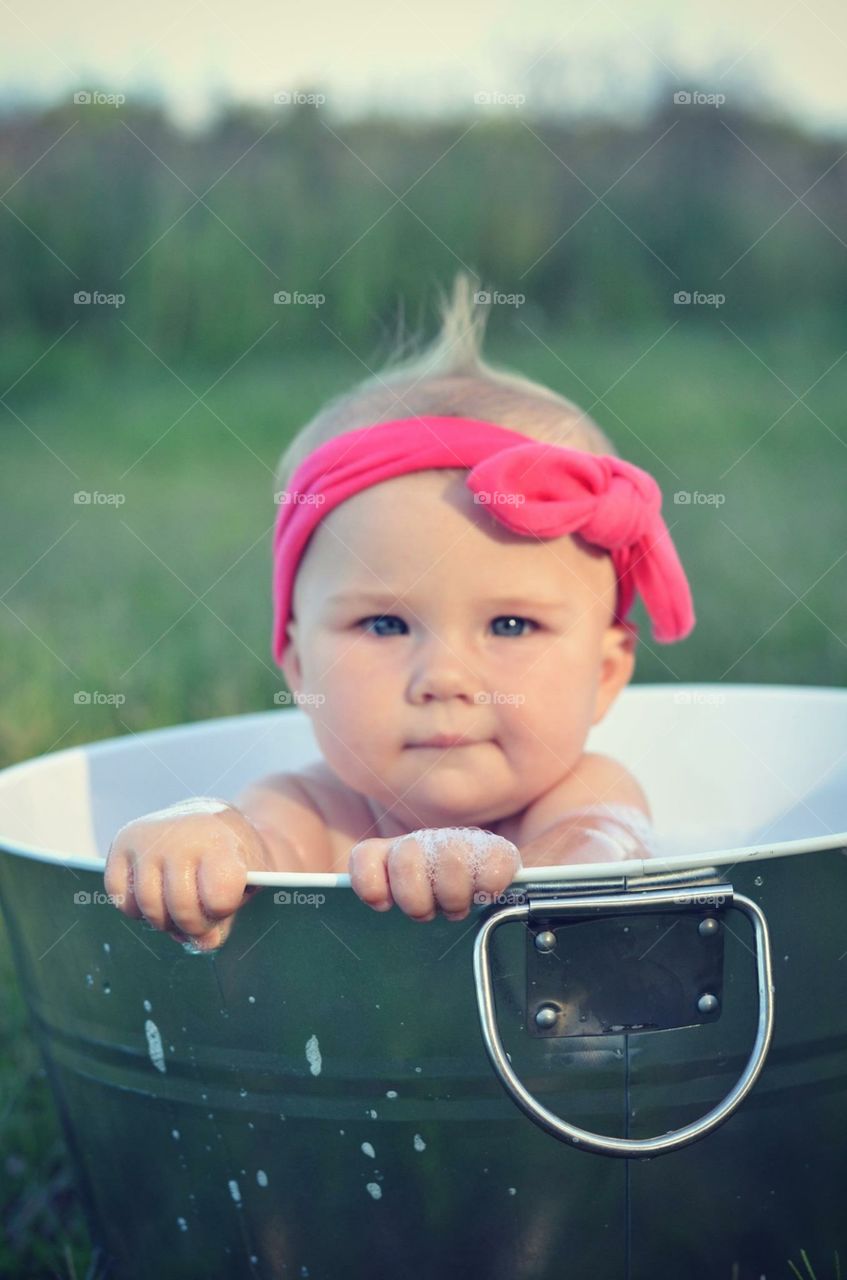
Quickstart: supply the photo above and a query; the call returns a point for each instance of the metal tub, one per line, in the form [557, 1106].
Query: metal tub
[632, 1070]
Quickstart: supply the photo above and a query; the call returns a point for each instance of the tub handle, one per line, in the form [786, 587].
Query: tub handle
[623, 903]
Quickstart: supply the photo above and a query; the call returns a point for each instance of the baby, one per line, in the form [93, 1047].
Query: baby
[451, 585]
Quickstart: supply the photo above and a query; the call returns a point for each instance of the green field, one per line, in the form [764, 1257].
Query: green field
[106, 598]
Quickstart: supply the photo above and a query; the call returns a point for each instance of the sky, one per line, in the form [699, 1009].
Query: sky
[399, 58]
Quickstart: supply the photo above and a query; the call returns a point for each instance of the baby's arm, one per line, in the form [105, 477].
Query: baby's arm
[184, 868]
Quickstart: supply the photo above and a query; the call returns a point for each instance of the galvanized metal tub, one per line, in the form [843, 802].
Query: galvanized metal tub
[339, 1093]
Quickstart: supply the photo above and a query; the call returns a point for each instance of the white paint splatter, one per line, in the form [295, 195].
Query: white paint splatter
[374, 1189]
[182, 1224]
[154, 1045]
[313, 1054]
[261, 1177]
[234, 1191]
[420, 1145]
[368, 1150]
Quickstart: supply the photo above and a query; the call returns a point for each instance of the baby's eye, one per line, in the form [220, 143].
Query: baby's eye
[378, 618]
[513, 618]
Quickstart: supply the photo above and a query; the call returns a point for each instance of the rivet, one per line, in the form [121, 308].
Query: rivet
[708, 926]
[547, 1016]
[545, 941]
[707, 1003]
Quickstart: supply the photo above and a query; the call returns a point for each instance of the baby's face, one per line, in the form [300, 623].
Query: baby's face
[416, 613]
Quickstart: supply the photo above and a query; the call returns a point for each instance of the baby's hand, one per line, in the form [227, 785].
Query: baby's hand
[184, 869]
[446, 867]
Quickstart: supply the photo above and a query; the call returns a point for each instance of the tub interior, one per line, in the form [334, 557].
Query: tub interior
[722, 766]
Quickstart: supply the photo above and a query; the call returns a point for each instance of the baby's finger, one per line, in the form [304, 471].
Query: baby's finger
[118, 882]
[182, 896]
[221, 882]
[497, 866]
[148, 889]
[369, 874]
[408, 876]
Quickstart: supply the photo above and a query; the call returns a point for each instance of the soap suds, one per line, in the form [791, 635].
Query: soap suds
[154, 1045]
[434, 840]
[313, 1054]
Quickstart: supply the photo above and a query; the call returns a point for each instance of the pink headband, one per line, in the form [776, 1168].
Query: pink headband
[610, 503]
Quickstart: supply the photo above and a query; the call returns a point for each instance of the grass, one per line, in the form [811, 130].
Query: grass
[105, 599]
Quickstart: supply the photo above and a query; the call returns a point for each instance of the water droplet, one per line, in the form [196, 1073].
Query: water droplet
[106, 948]
[89, 981]
[368, 1150]
[182, 1224]
[251, 999]
[175, 1134]
[261, 1177]
[107, 988]
[148, 1008]
[419, 1143]
[392, 1093]
[374, 1189]
[242, 1093]
[758, 880]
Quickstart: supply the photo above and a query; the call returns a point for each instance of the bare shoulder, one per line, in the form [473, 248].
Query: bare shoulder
[596, 779]
[282, 807]
[322, 816]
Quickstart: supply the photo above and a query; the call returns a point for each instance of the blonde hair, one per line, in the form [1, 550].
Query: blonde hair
[450, 378]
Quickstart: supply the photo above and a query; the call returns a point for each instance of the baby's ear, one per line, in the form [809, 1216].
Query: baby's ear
[290, 664]
[616, 667]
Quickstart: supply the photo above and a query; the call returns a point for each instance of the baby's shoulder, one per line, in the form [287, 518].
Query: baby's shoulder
[595, 780]
[333, 816]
